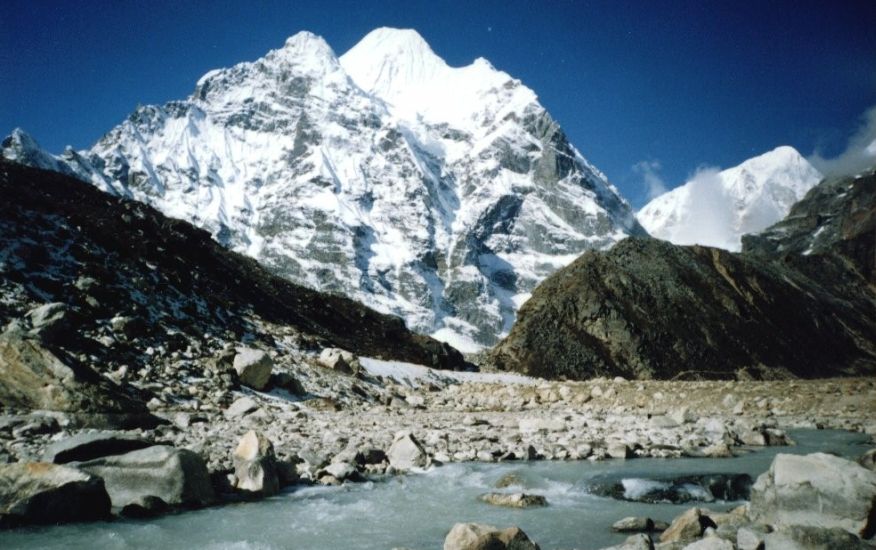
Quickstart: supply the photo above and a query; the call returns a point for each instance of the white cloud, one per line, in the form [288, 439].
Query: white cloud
[650, 172]
[709, 220]
[860, 153]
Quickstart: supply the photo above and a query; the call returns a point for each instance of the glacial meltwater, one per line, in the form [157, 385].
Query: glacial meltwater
[416, 511]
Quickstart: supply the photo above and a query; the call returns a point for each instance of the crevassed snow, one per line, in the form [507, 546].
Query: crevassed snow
[717, 208]
[413, 375]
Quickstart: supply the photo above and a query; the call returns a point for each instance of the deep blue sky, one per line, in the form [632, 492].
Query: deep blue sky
[683, 84]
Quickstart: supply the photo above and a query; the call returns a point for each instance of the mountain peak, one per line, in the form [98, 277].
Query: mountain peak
[389, 61]
[306, 49]
[716, 210]
[305, 42]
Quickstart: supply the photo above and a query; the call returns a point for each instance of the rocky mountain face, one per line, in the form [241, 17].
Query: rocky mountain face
[650, 309]
[717, 208]
[836, 217]
[107, 304]
[442, 195]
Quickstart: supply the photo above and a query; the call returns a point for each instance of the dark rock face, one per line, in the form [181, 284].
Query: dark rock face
[122, 265]
[650, 309]
[836, 217]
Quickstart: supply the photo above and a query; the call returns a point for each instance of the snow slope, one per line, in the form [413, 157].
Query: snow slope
[717, 208]
[440, 194]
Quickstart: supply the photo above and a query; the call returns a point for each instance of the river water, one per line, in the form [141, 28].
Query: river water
[416, 511]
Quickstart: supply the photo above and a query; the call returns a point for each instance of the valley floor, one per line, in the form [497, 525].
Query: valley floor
[490, 417]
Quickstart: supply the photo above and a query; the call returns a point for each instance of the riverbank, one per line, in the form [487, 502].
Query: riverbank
[344, 425]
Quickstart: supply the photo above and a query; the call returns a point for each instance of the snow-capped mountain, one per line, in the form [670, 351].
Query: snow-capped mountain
[440, 194]
[717, 208]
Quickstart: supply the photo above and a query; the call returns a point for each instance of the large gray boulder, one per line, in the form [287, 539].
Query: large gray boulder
[253, 367]
[41, 493]
[806, 537]
[86, 446]
[255, 466]
[407, 453]
[176, 476]
[475, 536]
[817, 490]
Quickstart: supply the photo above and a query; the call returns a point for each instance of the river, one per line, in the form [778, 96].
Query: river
[416, 511]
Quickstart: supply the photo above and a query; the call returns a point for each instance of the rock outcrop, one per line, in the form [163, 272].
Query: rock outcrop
[789, 305]
[836, 217]
[628, 312]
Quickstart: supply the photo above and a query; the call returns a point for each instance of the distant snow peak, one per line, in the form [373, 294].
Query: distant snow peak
[443, 195]
[717, 208]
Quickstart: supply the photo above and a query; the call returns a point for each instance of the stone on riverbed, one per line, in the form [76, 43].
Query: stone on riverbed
[688, 526]
[42, 493]
[513, 500]
[255, 468]
[818, 490]
[176, 476]
[407, 453]
[475, 536]
[633, 524]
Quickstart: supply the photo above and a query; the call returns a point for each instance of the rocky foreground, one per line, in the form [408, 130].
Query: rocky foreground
[345, 423]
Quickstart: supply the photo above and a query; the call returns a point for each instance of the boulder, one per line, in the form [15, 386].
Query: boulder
[818, 490]
[710, 543]
[406, 453]
[688, 526]
[751, 537]
[475, 536]
[176, 476]
[808, 537]
[513, 500]
[340, 360]
[634, 542]
[253, 367]
[255, 467]
[42, 493]
[86, 446]
[633, 524]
